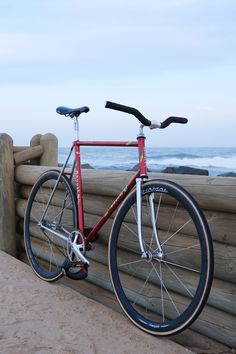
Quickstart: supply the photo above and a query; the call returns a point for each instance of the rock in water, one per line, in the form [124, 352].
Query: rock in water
[185, 170]
[228, 174]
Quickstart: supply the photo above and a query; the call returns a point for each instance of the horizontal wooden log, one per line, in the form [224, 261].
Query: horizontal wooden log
[212, 193]
[44, 193]
[19, 148]
[28, 154]
[53, 213]
[222, 225]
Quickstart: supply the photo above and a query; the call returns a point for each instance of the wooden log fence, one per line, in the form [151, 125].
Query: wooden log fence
[100, 189]
[43, 148]
[216, 196]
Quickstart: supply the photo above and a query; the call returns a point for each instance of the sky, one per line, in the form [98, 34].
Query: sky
[170, 57]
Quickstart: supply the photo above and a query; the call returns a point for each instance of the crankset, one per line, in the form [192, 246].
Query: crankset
[77, 265]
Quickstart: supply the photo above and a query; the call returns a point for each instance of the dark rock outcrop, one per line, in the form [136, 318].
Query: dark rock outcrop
[136, 167]
[185, 170]
[87, 166]
[228, 174]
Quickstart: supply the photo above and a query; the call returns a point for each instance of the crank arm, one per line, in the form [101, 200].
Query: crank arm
[79, 254]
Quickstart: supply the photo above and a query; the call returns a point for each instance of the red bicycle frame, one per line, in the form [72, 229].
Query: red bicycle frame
[142, 172]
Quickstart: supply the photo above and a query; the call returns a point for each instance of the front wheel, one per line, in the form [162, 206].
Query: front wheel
[164, 292]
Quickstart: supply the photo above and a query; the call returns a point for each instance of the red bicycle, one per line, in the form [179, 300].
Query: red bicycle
[160, 248]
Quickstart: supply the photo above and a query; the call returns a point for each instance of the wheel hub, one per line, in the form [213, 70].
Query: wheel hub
[160, 256]
[149, 256]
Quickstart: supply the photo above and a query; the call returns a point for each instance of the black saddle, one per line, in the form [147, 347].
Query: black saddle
[72, 112]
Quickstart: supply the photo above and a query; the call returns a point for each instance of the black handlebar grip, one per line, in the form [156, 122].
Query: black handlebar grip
[130, 110]
[170, 120]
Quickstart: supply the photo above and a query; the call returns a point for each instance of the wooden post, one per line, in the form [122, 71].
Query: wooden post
[35, 141]
[7, 201]
[49, 144]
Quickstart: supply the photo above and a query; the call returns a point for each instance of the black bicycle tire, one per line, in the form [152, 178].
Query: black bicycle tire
[48, 175]
[204, 287]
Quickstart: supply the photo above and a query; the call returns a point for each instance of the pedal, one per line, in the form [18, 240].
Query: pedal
[76, 270]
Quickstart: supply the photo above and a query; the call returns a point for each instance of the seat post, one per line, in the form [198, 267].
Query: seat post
[76, 127]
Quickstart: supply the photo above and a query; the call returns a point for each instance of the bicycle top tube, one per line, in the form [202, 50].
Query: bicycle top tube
[107, 143]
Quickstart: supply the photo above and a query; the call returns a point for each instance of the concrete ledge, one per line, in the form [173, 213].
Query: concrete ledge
[51, 318]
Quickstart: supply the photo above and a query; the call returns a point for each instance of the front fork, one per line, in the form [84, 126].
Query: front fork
[145, 253]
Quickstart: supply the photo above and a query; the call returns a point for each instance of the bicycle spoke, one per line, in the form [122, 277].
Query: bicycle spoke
[170, 297]
[180, 266]
[172, 219]
[162, 297]
[182, 249]
[59, 214]
[134, 233]
[176, 232]
[49, 240]
[180, 281]
[53, 255]
[141, 290]
[133, 262]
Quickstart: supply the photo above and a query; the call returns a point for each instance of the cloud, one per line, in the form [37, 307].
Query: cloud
[23, 47]
[130, 5]
[69, 39]
[103, 50]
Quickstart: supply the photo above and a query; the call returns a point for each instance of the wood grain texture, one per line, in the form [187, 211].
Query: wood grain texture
[7, 198]
[28, 154]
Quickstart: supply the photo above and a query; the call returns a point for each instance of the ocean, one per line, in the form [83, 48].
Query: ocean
[215, 160]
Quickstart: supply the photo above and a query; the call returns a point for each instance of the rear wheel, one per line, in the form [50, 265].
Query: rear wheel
[47, 253]
[164, 292]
